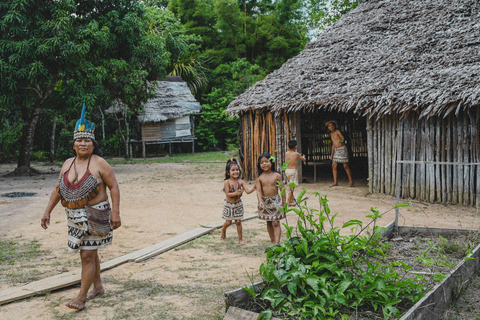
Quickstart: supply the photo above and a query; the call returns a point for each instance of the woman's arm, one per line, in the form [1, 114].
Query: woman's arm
[54, 199]
[110, 181]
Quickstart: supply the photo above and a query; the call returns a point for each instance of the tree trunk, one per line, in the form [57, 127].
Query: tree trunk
[52, 140]
[121, 134]
[28, 133]
[127, 149]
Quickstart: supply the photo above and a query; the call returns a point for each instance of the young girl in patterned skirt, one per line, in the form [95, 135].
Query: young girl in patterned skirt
[233, 206]
[269, 183]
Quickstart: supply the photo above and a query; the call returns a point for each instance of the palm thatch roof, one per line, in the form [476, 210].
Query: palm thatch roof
[385, 56]
[173, 99]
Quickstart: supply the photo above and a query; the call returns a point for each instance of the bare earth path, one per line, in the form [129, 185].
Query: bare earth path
[159, 201]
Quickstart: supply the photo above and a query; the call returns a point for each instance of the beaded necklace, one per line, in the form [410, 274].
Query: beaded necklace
[78, 194]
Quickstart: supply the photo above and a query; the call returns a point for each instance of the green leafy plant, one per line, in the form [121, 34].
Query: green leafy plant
[319, 273]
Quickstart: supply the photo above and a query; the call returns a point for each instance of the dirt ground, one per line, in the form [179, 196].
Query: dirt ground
[159, 201]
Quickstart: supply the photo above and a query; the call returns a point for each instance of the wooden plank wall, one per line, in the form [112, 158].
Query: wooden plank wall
[264, 132]
[443, 149]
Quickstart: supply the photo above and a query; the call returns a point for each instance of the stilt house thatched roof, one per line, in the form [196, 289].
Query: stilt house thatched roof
[173, 99]
[386, 56]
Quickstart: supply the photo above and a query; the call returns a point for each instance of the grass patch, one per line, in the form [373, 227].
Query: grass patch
[212, 156]
[160, 301]
[19, 261]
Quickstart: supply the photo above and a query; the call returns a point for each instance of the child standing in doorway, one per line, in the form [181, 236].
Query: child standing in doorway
[339, 153]
[269, 182]
[291, 157]
[233, 206]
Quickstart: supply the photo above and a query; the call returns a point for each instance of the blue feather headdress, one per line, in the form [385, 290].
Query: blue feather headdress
[84, 129]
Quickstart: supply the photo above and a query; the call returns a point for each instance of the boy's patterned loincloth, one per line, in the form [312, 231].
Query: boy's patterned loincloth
[292, 175]
[270, 210]
[232, 210]
[78, 236]
[340, 155]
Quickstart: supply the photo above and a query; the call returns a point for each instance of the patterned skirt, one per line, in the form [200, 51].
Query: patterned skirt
[78, 236]
[271, 211]
[232, 210]
[340, 155]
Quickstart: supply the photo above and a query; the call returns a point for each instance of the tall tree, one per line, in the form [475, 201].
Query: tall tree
[83, 51]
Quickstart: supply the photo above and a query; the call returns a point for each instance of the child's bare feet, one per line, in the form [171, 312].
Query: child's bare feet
[241, 242]
[350, 184]
[75, 304]
[223, 234]
[95, 292]
[334, 184]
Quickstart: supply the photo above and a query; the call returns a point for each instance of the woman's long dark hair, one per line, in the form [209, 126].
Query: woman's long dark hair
[230, 163]
[96, 148]
[270, 158]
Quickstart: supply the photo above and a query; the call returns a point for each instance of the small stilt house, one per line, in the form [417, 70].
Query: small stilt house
[169, 117]
[402, 78]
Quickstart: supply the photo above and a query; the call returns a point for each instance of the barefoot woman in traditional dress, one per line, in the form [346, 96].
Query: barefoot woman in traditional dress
[82, 191]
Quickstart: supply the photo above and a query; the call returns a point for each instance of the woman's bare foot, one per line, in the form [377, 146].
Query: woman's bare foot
[241, 242]
[223, 234]
[95, 292]
[75, 304]
[350, 184]
[334, 185]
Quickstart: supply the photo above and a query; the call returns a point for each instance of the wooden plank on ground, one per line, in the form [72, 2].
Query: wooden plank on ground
[174, 242]
[41, 286]
[71, 278]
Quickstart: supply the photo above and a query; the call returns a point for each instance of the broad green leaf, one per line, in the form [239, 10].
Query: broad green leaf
[352, 222]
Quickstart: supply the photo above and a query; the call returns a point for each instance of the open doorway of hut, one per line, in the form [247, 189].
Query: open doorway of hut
[316, 145]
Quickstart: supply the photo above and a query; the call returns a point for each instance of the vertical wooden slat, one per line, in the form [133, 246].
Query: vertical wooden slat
[477, 157]
[460, 145]
[431, 157]
[438, 158]
[466, 159]
[444, 146]
[421, 147]
[376, 180]
[406, 155]
[388, 153]
[370, 152]
[454, 159]
[473, 158]
[381, 154]
[394, 132]
[244, 148]
[413, 157]
[450, 157]
[287, 129]
[399, 151]
[473, 128]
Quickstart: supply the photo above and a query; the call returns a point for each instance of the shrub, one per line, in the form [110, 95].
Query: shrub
[318, 273]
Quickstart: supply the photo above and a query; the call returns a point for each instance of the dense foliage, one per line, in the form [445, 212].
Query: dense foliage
[57, 54]
[319, 273]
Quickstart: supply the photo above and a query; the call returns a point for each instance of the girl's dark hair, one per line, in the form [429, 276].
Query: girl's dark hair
[96, 148]
[230, 163]
[270, 158]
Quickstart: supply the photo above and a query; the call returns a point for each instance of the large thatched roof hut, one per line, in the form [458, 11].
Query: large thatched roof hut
[168, 117]
[403, 78]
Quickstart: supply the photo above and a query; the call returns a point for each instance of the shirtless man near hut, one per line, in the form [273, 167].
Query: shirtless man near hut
[339, 153]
